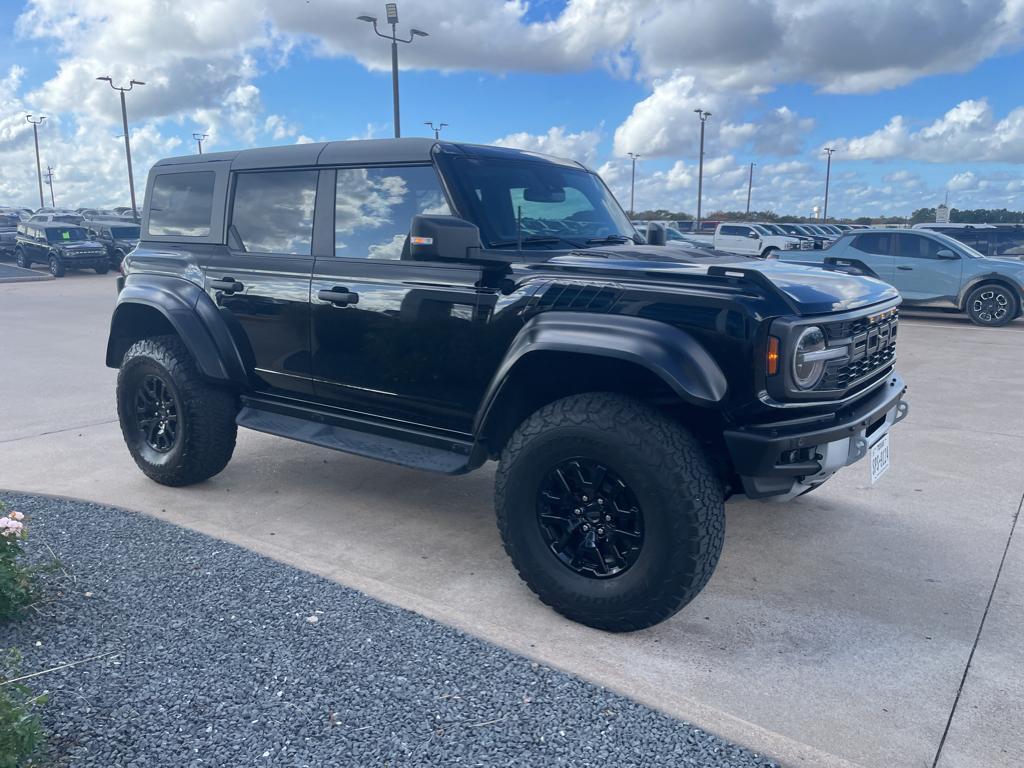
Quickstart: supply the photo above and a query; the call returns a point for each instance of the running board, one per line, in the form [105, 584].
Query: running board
[420, 451]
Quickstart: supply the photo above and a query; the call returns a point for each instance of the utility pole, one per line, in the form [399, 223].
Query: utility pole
[199, 140]
[828, 174]
[39, 167]
[391, 10]
[750, 185]
[632, 180]
[49, 180]
[437, 130]
[127, 141]
[703, 115]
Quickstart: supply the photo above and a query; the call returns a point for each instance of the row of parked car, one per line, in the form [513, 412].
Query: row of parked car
[87, 238]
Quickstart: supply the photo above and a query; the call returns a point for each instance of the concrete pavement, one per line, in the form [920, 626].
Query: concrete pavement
[836, 631]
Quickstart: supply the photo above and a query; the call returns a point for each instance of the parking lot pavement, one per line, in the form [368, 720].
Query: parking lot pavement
[836, 631]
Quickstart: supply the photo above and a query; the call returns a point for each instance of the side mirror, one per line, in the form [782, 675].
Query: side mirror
[753, 235]
[946, 254]
[442, 237]
[656, 234]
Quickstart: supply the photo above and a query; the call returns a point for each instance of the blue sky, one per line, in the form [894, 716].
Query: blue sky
[920, 98]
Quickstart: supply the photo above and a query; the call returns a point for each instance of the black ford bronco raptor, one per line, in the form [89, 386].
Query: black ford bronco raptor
[438, 305]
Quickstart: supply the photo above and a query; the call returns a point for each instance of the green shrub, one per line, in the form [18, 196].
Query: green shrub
[20, 732]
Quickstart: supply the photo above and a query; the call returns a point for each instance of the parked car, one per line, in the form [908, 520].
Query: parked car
[1005, 240]
[60, 246]
[92, 214]
[818, 239]
[57, 217]
[9, 220]
[437, 305]
[931, 269]
[750, 239]
[674, 237]
[117, 237]
[777, 229]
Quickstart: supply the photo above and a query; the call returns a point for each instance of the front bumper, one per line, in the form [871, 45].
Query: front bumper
[84, 260]
[786, 459]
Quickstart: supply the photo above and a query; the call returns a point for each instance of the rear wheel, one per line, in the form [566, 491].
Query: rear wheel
[21, 259]
[179, 429]
[992, 305]
[56, 264]
[610, 511]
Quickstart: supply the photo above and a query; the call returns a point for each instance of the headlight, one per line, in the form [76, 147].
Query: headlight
[809, 367]
[791, 245]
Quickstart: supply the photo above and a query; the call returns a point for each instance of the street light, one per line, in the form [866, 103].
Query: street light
[632, 180]
[127, 142]
[438, 129]
[199, 140]
[828, 174]
[49, 180]
[750, 185]
[703, 115]
[39, 168]
[391, 9]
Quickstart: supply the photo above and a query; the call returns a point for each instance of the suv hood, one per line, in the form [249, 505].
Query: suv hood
[79, 245]
[809, 290]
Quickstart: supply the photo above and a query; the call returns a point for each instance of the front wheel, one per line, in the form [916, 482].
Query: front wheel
[770, 253]
[991, 305]
[610, 511]
[56, 264]
[21, 259]
[102, 270]
[179, 429]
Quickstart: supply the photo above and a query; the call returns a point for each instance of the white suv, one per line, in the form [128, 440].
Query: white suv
[751, 239]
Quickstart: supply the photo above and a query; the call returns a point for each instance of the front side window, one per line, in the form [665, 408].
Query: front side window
[918, 247]
[877, 243]
[273, 211]
[374, 207]
[543, 204]
[181, 204]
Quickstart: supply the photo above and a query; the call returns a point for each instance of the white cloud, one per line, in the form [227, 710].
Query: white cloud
[581, 146]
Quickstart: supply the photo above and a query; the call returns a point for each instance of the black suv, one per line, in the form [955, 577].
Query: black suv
[438, 305]
[59, 246]
[118, 237]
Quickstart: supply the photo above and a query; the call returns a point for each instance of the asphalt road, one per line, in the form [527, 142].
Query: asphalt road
[873, 626]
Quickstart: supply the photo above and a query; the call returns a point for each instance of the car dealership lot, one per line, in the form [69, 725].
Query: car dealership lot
[836, 630]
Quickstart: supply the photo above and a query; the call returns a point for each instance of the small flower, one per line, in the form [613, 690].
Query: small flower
[16, 515]
[5, 522]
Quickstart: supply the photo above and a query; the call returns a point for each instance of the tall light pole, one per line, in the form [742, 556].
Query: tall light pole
[703, 115]
[632, 180]
[127, 142]
[39, 167]
[828, 174]
[49, 180]
[437, 130]
[750, 185]
[391, 9]
[199, 140]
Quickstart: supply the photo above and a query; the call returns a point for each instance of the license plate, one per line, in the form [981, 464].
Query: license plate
[879, 459]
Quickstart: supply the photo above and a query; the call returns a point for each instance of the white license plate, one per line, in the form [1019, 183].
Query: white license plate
[879, 458]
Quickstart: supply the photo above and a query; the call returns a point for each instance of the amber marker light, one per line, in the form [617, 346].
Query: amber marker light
[772, 359]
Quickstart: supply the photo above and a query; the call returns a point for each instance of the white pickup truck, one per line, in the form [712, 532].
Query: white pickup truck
[750, 239]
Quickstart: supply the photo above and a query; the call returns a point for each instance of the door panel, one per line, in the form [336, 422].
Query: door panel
[875, 250]
[919, 275]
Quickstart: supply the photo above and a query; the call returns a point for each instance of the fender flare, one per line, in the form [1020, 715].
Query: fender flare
[192, 315]
[989, 277]
[670, 353]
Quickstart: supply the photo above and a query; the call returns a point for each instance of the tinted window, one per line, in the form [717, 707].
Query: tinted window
[1007, 243]
[735, 231]
[879, 243]
[273, 211]
[65, 234]
[181, 204]
[374, 209]
[124, 233]
[918, 246]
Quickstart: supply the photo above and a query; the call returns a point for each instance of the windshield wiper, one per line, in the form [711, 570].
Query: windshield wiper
[535, 239]
[611, 239]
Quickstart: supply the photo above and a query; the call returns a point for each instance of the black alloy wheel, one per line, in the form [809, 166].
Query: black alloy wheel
[21, 259]
[56, 266]
[156, 413]
[590, 519]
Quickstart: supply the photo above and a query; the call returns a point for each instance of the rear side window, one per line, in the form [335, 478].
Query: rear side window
[878, 243]
[919, 246]
[273, 211]
[181, 204]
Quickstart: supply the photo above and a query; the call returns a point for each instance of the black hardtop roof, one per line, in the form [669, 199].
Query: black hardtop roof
[410, 150]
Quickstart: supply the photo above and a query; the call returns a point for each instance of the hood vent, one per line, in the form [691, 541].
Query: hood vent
[577, 296]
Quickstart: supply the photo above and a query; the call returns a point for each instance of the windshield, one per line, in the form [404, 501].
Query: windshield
[761, 230]
[957, 245]
[544, 204]
[124, 233]
[65, 234]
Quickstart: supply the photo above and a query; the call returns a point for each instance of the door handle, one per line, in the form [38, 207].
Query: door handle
[906, 269]
[227, 285]
[338, 296]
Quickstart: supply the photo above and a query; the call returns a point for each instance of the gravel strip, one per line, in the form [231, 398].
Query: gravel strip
[221, 657]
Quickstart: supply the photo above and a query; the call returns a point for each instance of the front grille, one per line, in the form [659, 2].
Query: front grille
[871, 341]
[806, 245]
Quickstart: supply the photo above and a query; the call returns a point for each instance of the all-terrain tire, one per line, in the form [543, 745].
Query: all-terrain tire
[674, 485]
[205, 428]
[56, 264]
[21, 259]
[992, 305]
